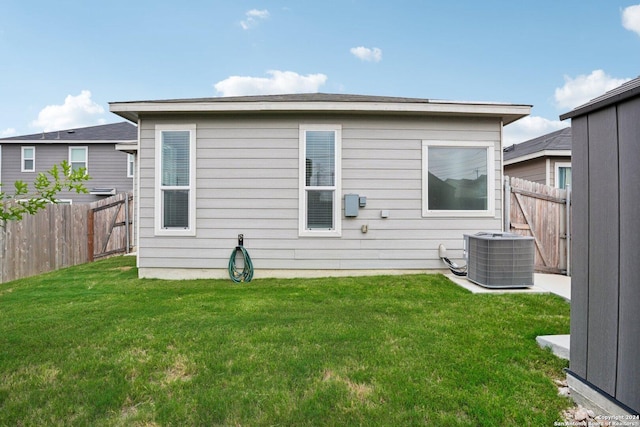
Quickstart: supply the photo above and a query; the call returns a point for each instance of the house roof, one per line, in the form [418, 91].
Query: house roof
[556, 143]
[321, 102]
[122, 132]
[625, 91]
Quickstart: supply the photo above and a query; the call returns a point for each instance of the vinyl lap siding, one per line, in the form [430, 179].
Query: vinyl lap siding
[532, 170]
[247, 182]
[107, 167]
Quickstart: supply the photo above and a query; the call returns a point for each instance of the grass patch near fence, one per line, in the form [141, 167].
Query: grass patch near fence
[95, 345]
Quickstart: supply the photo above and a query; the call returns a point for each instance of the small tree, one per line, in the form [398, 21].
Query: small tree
[46, 187]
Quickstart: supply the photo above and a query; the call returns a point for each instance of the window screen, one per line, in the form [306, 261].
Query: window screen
[320, 178]
[175, 179]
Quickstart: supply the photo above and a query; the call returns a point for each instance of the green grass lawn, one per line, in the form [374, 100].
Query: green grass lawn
[95, 345]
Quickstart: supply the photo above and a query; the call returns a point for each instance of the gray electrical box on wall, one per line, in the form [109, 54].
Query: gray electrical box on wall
[351, 205]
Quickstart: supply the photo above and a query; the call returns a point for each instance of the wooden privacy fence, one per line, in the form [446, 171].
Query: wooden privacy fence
[65, 235]
[544, 213]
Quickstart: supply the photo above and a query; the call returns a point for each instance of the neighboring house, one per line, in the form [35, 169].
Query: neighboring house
[278, 169]
[97, 148]
[605, 285]
[545, 159]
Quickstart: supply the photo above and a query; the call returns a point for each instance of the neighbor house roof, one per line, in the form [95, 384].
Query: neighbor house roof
[122, 132]
[321, 102]
[556, 143]
[627, 90]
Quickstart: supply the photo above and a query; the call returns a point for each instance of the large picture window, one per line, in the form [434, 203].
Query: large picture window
[175, 189]
[458, 178]
[320, 205]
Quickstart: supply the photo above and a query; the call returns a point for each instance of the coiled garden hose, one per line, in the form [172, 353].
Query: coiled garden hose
[244, 275]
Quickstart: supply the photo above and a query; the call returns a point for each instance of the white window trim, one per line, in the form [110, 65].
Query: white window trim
[302, 195]
[131, 165]
[22, 159]
[491, 173]
[86, 156]
[159, 230]
[557, 167]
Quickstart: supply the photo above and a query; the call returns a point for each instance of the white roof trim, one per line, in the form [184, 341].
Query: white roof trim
[509, 112]
[545, 153]
[130, 148]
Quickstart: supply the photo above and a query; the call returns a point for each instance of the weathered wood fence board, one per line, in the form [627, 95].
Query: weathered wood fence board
[540, 211]
[58, 237]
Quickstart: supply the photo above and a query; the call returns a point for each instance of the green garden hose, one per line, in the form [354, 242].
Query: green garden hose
[244, 275]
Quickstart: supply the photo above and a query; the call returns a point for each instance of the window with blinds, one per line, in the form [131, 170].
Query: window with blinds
[320, 193]
[175, 199]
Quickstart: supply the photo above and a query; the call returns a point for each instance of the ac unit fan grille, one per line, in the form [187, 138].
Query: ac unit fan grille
[500, 260]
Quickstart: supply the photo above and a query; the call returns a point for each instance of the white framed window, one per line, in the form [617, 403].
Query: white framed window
[175, 199]
[563, 174]
[131, 165]
[458, 178]
[320, 180]
[28, 163]
[79, 158]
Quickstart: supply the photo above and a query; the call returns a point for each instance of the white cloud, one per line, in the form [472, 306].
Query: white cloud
[280, 82]
[8, 132]
[367, 54]
[631, 18]
[579, 90]
[77, 111]
[530, 127]
[253, 17]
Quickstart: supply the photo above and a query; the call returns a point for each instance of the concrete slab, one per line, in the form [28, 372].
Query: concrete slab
[542, 284]
[559, 344]
[554, 283]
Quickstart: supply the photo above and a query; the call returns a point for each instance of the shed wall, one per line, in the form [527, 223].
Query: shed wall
[605, 320]
[247, 182]
[628, 376]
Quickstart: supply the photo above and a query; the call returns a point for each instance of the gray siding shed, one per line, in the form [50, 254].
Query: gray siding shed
[605, 320]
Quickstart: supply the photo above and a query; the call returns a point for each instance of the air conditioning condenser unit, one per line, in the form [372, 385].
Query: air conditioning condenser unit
[500, 260]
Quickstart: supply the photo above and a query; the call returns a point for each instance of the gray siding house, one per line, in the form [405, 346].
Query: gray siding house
[605, 285]
[102, 149]
[545, 159]
[318, 184]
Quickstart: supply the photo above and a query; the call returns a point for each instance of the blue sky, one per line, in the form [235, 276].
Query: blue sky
[61, 62]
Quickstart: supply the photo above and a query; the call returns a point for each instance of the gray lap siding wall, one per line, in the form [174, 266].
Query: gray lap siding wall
[247, 171]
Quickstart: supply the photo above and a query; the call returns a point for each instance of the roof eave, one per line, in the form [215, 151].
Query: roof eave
[66, 141]
[507, 112]
[538, 154]
[594, 106]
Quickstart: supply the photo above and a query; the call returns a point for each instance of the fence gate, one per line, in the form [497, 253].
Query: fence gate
[544, 213]
[110, 228]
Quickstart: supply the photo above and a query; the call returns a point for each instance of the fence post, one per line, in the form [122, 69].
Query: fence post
[506, 214]
[126, 220]
[3, 233]
[90, 234]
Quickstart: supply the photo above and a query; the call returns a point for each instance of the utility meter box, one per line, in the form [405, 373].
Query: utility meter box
[351, 205]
